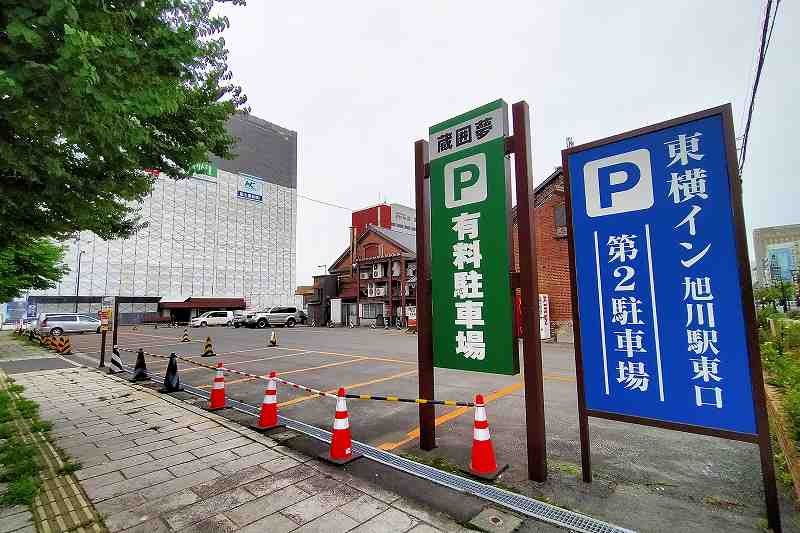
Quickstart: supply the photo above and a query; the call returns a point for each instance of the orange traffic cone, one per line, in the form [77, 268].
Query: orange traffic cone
[341, 451]
[483, 463]
[269, 407]
[217, 400]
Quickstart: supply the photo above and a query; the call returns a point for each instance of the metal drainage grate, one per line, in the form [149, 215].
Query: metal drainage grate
[516, 502]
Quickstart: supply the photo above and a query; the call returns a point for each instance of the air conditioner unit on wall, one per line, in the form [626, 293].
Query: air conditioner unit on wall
[377, 271]
[365, 275]
[380, 291]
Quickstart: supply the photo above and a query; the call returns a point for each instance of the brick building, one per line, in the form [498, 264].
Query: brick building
[552, 252]
[384, 283]
[375, 278]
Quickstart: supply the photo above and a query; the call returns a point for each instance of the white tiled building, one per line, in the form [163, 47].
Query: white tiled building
[228, 231]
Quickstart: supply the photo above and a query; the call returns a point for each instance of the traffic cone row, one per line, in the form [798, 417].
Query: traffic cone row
[185, 337]
[217, 399]
[208, 350]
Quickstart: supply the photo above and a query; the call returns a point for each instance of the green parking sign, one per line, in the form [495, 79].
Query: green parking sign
[470, 242]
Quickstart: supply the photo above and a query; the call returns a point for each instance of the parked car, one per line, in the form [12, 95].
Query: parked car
[61, 323]
[276, 316]
[213, 318]
[239, 319]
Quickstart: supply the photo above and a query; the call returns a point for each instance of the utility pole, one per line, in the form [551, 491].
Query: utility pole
[78, 279]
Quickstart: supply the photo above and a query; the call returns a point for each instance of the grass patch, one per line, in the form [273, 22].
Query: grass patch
[18, 458]
[41, 426]
[567, 468]
[21, 471]
[436, 462]
[68, 468]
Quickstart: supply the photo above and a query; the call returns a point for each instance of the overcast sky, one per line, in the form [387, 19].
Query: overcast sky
[360, 82]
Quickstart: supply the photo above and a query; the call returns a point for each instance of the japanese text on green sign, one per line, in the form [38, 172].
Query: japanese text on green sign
[470, 243]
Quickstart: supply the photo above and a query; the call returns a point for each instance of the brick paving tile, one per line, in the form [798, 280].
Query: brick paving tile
[130, 517]
[230, 481]
[186, 446]
[276, 523]
[262, 457]
[15, 521]
[319, 504]
[100, 481]
[389, 520]
[280, 480]
[181, 483]
[201, 464]
[220, 446]
[207, 508]
[332, 522]
[152, 466]
[363, 508]
[215, 524]
[266, 505]
[129, 485]
[120, 503]
[280, 464]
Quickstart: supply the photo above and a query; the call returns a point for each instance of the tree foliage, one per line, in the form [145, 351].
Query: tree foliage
[770, 294]
[30, 264]
[94, 91]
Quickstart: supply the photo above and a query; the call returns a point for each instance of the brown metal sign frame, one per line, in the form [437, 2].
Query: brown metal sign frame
[743, 266]
[527, 281]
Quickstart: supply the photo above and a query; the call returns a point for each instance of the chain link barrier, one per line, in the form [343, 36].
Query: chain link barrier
[303, 387]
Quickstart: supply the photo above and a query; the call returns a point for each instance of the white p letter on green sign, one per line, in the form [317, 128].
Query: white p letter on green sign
[465, 181]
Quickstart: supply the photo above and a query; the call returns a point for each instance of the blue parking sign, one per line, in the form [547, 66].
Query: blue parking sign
[664, 329]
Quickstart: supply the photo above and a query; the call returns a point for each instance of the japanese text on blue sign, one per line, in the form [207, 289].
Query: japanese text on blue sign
[662, 329]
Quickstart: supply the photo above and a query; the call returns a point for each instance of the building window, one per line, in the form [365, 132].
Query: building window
[371, 310]
[370, 250]
[560, 220]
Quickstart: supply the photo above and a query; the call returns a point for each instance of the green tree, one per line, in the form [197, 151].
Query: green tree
[94, 91]
[31, 264]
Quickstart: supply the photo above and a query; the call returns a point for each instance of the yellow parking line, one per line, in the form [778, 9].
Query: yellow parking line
[455, 413]
[291, 372]
[348, 387]
[248, 361]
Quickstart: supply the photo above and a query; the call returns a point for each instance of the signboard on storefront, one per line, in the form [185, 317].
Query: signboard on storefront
[662, 291]
[106, 314]
[470, 200]
[250, 188]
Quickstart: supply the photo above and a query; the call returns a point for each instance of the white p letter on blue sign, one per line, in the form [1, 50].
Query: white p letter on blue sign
[618, 184]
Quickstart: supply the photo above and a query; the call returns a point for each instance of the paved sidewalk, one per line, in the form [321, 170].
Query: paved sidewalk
[152, 463]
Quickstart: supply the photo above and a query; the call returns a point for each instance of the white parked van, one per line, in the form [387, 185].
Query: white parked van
[213, 318]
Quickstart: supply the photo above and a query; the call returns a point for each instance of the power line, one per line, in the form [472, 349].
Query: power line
[323, 202]
[766, 37]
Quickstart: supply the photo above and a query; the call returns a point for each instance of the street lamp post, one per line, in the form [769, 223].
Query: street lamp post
[78, 280]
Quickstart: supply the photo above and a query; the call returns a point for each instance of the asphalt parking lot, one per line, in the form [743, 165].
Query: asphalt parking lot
[689, 477]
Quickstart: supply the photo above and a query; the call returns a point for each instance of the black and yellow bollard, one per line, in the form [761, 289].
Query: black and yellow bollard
[172, 382]
[273, 339]
[208, 350]
[140, 370]
[185, 337]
